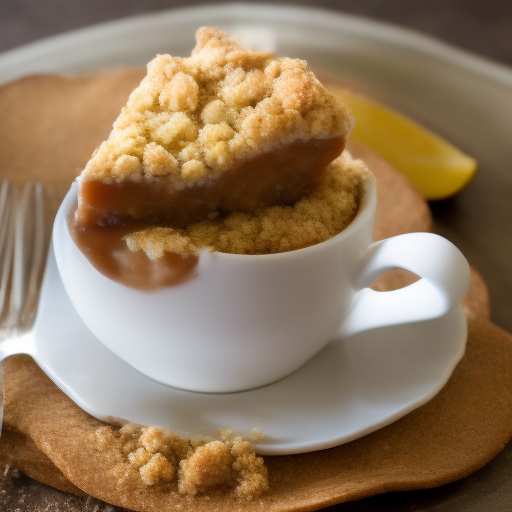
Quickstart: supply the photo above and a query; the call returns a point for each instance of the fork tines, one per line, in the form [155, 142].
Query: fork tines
[22, 252]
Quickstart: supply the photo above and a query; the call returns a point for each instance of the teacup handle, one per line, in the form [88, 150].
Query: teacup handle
[445, 278]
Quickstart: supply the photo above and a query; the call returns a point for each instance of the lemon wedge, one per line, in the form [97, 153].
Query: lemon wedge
[435, 167]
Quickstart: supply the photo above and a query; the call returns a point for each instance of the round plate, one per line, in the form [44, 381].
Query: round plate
[335, 397]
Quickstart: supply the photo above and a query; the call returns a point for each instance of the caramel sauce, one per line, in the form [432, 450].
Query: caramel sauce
[106, 250]
[281, 176]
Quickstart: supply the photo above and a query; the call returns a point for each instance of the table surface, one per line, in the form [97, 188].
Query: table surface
[484, 28]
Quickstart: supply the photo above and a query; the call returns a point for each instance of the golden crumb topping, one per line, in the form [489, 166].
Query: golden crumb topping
[190, 466]
[311, 220]
[192, 118]
[209, 466]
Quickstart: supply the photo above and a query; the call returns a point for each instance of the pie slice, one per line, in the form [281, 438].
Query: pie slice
[226, 129]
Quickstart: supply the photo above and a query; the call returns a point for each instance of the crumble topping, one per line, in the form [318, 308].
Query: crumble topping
[192, 118]
[311, 220]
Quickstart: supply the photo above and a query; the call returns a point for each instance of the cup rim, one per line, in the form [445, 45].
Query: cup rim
[365, 210]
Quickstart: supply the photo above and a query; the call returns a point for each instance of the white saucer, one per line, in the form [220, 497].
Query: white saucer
[351, 388]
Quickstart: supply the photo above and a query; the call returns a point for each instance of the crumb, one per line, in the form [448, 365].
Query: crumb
[156, 241]
[250, 470]
[208, 466]
[139, 457]
[104, 435]
[157, 469]
[152, 439]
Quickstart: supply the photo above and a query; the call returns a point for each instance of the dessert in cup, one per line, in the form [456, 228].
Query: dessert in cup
[221, 238]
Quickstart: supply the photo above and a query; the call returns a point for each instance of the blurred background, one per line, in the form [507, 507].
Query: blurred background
[481, 26]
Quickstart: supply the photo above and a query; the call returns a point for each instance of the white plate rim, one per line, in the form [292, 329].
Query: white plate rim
[13, 62]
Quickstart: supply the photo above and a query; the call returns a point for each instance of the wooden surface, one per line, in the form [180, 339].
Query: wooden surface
[481, 27]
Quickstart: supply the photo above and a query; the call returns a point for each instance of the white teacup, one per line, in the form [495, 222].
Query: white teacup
[246, 321]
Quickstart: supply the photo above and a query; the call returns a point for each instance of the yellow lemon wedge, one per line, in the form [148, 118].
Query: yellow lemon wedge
[435, 167]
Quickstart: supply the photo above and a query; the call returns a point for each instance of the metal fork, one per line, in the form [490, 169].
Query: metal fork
[22, 261]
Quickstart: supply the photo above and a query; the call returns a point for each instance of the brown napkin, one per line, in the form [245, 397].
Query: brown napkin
[454, 434]
[50, 126]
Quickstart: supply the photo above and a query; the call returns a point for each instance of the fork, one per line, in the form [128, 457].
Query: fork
[22, 261]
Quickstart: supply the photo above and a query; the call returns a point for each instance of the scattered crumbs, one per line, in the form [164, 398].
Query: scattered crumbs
[194, 466]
